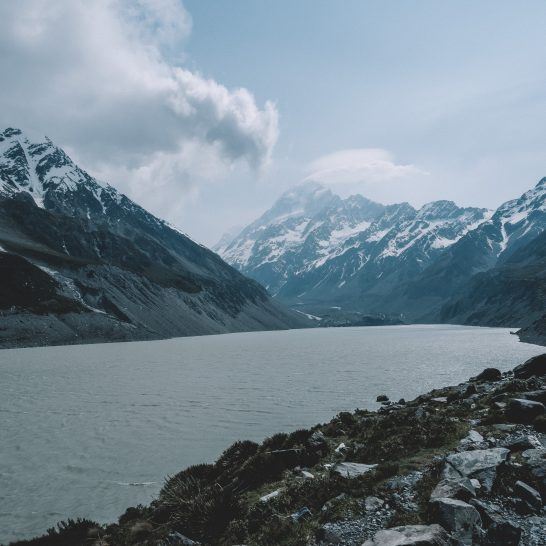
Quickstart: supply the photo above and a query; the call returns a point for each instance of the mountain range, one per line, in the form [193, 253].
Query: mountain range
[325, 255]
[79, 261]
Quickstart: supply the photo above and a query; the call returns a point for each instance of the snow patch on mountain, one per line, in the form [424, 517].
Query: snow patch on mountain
[311, 233]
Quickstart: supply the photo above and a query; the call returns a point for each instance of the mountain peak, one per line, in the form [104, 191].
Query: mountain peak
[36, 168]
[10, 132]
[305, 199]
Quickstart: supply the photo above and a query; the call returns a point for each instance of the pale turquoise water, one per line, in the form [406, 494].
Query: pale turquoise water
[80, 423]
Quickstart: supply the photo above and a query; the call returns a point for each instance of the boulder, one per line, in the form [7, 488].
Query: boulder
[524, 411]
[535, 459]
[317, 441]
[269, 496]
[472, 440]
[535, 366]
[520, 442]
[500, 531]
[301, 514]
[382, 398]
[458, 517]
[411, 535]
[178, 539]
[489, 374]
[480, 464]
[372, 504]
[461, 489]
[470, 390]
[536, 396]
[353, 470]
[530, 495]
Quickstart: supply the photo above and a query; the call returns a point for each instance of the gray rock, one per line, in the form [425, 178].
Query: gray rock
[505, 427]
[520, 442]
[382, 398]
[301, 514]
[472, 440]
[353, 470]
[480, 464]
[177, 539]
[317, 440]
[461, 489]
[420, 412]
[269, 496]
[489, 374]
[410, 535]
[372, 504]
[458, 517]
[535, 366]
[502, 533]
[524, 411]
[536, 396]
[530, 495]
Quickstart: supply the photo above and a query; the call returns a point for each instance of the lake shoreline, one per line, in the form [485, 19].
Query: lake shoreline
[531, 335]
[344, 481]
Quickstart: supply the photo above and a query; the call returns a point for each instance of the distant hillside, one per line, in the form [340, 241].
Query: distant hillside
[81, 262]
[442, 263]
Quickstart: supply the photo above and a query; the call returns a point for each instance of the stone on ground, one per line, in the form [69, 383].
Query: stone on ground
[458, 517]
[411, 535]
[534, 366]
[480, 464]
[353, 470]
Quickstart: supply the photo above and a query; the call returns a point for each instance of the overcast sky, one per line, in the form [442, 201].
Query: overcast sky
[205, 111]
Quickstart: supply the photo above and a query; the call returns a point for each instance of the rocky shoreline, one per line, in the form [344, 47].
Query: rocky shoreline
[460, 465]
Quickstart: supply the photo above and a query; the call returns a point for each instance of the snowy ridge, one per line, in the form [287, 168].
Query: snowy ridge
[518, 219]
[82, 262]
[46, 173]
[312, 238]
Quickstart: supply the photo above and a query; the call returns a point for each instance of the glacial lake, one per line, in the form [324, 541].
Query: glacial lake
[89, 430]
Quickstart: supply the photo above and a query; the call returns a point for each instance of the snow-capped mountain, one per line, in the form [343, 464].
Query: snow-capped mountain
[79, 261]
[313, 247]
[495, 243]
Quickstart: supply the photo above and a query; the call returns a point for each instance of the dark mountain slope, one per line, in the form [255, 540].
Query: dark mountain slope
[513, 293]
[513, 225]
[107, 269]
[315, 250]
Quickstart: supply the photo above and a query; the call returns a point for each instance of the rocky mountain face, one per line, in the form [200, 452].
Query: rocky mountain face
[441, 263]
[493, 246]
[460, 465]
[81, 262]
[316, 249]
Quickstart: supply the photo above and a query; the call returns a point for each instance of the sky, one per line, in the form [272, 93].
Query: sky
[205, 111]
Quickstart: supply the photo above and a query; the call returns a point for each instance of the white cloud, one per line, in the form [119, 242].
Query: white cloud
[104, 78]
[373, 165]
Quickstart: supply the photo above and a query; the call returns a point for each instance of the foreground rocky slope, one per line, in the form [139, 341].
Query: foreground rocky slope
[460, 465]
[80, 262]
